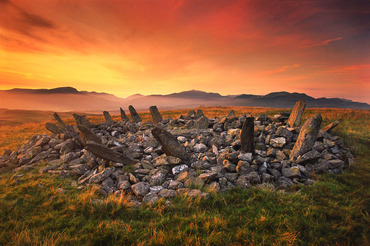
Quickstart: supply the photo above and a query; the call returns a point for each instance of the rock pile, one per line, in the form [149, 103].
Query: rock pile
[183, 155]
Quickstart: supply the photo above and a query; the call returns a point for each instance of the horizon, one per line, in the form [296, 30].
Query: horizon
[319, 48]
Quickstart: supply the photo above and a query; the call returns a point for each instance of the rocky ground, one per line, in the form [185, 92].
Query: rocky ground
[191, 155]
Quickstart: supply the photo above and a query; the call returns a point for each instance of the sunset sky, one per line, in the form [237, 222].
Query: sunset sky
[320, 48]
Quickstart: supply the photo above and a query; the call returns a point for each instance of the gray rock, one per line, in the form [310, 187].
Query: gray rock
[151, 198]
[167, 193]
[180, 168]
[167, 160]
[291, 172]
[245, 157]
[208, 177]
[99, 177]
[278, 142]
[200, 148]
[141, 188]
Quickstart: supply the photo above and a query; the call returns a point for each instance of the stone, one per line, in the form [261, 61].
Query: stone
[108, 118]
[247, 136]
[170, 145]
[141, 188]
[184, 176]
[167, 193]
[80, 168]
[175, 184]
[87, 135]
[103, 152]
[47, 168]
[99, 177]
[297, 112]
[199, 113]
[284, 132]
[331, 126]
[53, 128]
[243, 182]
[134, 115]
[208, 177]
[231, 114]
[155, 114]
[158, 176]
[254, 178]
[201, 123]
[81, 120]
[167, 160]
[180, 168]
[200, 148]
[310, 156]
[307, 137]
[291, 172]
[278, 142]
[151, 198]
[245, 157]
[124, 116]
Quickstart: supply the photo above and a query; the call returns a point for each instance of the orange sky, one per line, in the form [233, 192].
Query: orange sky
[320, 48]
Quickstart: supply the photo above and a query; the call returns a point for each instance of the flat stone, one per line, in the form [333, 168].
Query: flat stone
[291, 172]
[200, 148]
[99, 177]
[278, 142]
[180, 168]
[141, 188]
[208, 177]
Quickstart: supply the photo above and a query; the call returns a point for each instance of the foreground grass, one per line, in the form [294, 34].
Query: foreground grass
[46, 210]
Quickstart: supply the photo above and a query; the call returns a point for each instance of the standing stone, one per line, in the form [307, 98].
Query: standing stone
[247, 136]
[201, 123]
[59, 120]
[65, 128]
[191, 113]
[307, 137]
[135, 116]
[200, 113]
[105, 153]
[81, 120]
[87, 135]
[155, 114]
[170, 145]
[297, 112]
[108, 117]
[231, 113]
[53, 128]
[124, 116]
[329, 127]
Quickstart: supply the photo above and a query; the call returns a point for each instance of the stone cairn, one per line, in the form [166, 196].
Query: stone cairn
[181, 156]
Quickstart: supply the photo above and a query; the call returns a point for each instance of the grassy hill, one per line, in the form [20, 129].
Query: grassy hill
[42, 209]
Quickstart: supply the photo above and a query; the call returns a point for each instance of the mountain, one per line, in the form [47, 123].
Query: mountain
[70, 99]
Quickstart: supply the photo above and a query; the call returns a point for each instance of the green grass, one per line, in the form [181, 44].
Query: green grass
[46, 210]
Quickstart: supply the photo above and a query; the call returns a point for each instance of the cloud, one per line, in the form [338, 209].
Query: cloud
[36, 21]
[280, 70]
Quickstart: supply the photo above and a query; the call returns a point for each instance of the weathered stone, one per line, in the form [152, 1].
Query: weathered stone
[247, 136]
[124, 185]
[329, 127]
[254, 178]
[243, 182]
[297, 112]
[284, 182]
[141, 188]
[151, 198]
[167, 160]
[99, 177]
[53, 128]
[200, 148]
[278, 142]
[291, 172]
[175, 184]
[155, 114]
[81, 120]
[158, 176]
[284, 132]
[201, 123]
[231, 114]
[47, 168]
[65, 128]
[170, 145]
[87, 135]
[105, 153]
[191, 113]
[180, 168]
[124, 116]
[134, 115]
[307, 137]
[200, 113]
[208, 177]
[108, 117]
[310, 156]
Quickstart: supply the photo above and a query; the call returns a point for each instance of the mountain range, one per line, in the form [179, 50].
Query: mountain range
[71, 99]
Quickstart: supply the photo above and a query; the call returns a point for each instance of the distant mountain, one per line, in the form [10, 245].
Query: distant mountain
[70, 99]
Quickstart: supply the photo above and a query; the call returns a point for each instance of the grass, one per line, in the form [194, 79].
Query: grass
[47, 210]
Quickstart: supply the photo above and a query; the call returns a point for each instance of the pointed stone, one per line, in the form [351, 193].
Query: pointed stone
[124, 116]
[108, 117]
[307, 137]
[87, 135]
[247, 136]
[134, 115]
[53, 128]
[297, 112]
[155, 114]
[231, 113]
[329, 127]
[64, 127]
[170, 145]
[59, 120]
[105, 153]
[200, 113]
[191, 113]
[81, 120]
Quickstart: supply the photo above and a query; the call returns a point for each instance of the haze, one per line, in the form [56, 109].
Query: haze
[160, 47]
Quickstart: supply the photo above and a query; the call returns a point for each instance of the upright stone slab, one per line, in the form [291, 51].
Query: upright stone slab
[87, 135]
[108, 117]
[231, 113]
[170, 145]
[297, 112]
[191, 113]
[200, 113]
[65, 128]
[155, 114]
[307, 137]
[59, 120]
[124, 116]
[201, 123]
[105, 153]
[53, 128]
[81, 120]
[247, 136]
[135, 116]
[329, 127]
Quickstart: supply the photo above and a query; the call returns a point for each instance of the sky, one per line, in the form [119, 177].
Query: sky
[124, 47]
